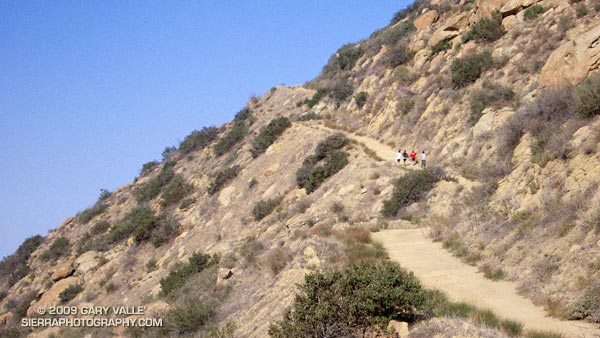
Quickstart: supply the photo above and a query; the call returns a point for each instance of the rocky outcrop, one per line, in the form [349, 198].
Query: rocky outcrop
[573, 60]
[63, 270]
[515, 6]
[87, 262]
[50, 297]
[485, 8]
[425, 20]
[453, 28]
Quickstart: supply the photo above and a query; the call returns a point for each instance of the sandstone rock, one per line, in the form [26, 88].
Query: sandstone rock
[490, 120]
[156, 308]
[225, 195]
[6, 318]
[62, 271]
[224, 274]
[50, 297]
[573, 60]
[453, 28]
[401, 328]
[420, 58]
[515, 6]
[485, 8]
[425, 20]
[509, 22]
[87, 261]
[67, 221]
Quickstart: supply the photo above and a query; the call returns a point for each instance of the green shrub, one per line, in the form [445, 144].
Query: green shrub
[315, 98]
[361, 99]
[411, 188]
[70, 293]
[488, 29]
[397, 55]
[143, 225]
[406, 12]
[100, 228]
[309, 116]
[264, 208]
[534, 11]
[148, 167]
[189, 318]
[393, 35]
[176, 191]
[469, 68]
[58, 248]
[581, 10]
[340, 89]
[186, 203]
[243, 119]
[587, 99]
[269, 134]
[250, 249]
[493, 273]
[198, 139]
[344, 59]
[345, 303]
[148, 191]
[15, 266]
[440, 47]
[310, 176]
[87, 215]
[490, 94]
[221, 177]
[177, 278]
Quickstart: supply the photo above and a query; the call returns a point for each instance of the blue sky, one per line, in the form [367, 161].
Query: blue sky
[91, 90]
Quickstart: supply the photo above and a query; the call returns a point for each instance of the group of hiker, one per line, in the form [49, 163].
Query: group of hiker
[403, 156]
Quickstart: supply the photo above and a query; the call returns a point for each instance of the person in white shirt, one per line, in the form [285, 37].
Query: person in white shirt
[423, 159]
[398, 156]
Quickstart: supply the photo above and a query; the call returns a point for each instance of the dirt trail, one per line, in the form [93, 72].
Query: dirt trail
[437, 268]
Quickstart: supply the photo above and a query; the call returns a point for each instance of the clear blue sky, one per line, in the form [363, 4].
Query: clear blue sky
[91, 90]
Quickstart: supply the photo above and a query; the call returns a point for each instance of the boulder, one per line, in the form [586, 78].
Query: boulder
[485, 8]
[62, 271]
[425, 20]
[453, 28]
[401, 328]
[509, 22]
[573, 60]
[87, 261]
[50, 297]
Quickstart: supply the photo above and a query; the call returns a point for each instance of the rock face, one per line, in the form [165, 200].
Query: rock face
[50, 297]
[425, 20]
[452, 29]
[515, 6]
[401, 328]
[573, 60]
[87, 262]
[62, 271]
[485, 8]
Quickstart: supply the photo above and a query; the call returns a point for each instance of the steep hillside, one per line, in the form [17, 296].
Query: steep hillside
[503, 96]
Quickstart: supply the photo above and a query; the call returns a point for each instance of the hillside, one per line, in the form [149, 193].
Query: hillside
[504, 98]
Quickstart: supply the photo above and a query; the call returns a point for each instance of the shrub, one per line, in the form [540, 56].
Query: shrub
[143, 225]
[310, 176]
[177, 278]
[15, 266]
[588, 305]
[148, 191]
[264, 208]
[104, 195]
[534, 11]
[100, 227]
[221, 177]
[269, 134]
[440, 47]
[58, 248]
[344, 59]
[510, 136]
[490, 94]
[340, 89]
[315, 98]
[469, 68]
[309, 116]
[392, 36]
[488, 29]
[87, 215]
[361, 99]
[176, 191]
[493, 274]
[587, 100]
[581, 10]
[397, 55]
[189, 318]
[243, 119]
[344, 303]
[411, 188]
[148, 167]
[278, 259]
[198, 139]
[406, 12]
[250, 249]
[70, 293]
[186, 203]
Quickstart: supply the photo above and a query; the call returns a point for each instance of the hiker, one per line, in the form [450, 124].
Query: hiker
[398, 156]
[405, 156]
[413, 157]
[423, 159]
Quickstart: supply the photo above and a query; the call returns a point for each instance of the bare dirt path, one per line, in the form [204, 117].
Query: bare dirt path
[437, 268]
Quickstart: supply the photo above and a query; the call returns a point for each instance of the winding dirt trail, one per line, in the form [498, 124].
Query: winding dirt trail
[437, 268]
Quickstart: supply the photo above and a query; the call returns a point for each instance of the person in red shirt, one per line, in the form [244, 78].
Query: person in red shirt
[413, 156]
